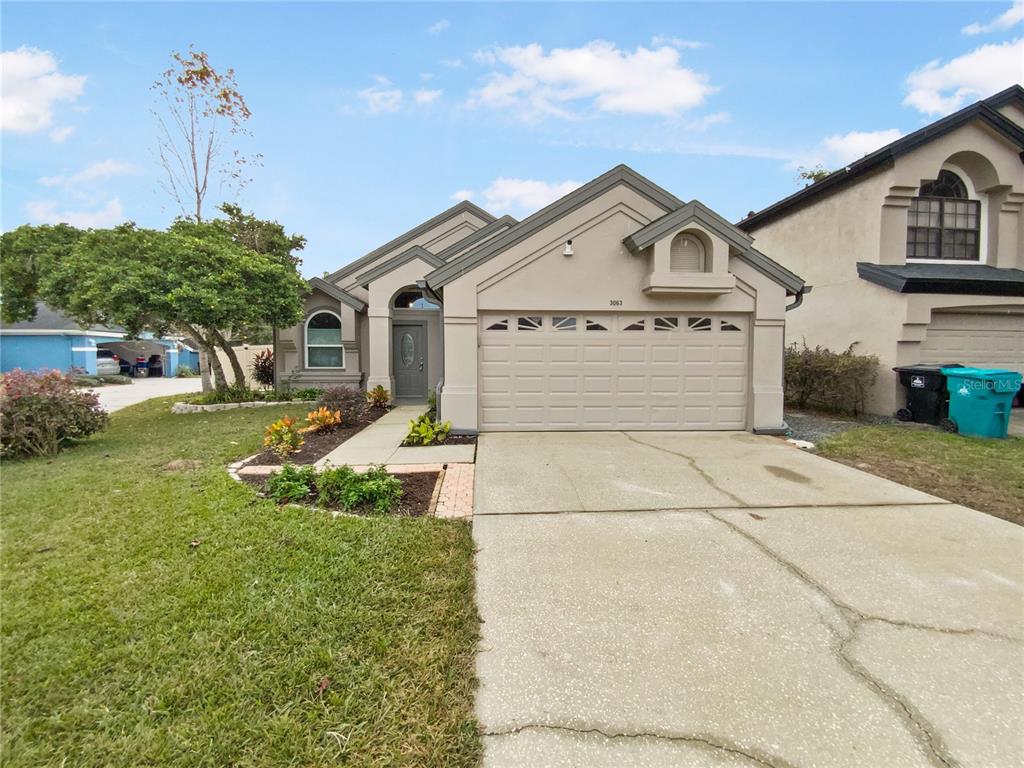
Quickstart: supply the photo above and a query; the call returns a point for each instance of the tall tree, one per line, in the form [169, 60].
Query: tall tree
[26, 253]
[199, 112]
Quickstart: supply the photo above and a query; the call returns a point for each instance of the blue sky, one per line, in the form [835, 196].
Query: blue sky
[372, 118]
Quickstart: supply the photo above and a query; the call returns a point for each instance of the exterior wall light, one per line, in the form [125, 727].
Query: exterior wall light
[567, 251]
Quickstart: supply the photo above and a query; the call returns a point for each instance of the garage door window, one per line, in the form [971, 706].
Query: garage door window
[698, 323]
[666, 323]
[530, 323]
[727, 326]
[563, 323]
[593, 325]
[323, 341]
[498, 325]
[636, 325]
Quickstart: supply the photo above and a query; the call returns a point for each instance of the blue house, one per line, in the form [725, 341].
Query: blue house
[52, 340]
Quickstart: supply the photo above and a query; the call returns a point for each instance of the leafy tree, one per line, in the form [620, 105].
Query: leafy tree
[26, 253]
[199, 110]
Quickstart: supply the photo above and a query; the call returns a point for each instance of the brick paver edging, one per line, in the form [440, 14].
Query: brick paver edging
[196, 408]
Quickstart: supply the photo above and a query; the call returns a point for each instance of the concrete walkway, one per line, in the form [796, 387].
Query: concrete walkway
[381, 443]
[722, 599]
[114, 397]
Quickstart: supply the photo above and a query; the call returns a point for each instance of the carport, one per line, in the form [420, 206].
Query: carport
[132, 350]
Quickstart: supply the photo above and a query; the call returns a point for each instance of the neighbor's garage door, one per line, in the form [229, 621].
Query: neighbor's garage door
[983, 340]
[552, 371]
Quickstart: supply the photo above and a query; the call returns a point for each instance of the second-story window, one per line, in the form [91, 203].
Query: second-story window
[943, 223]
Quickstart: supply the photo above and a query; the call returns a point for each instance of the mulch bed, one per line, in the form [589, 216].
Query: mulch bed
[357, 415]
[417, 490]
[450, 440]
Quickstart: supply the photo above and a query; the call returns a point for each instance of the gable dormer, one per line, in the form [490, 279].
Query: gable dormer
[688, 250]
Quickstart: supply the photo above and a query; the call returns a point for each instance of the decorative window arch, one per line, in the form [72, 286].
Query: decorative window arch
[412, 297]
[323, 340]
[944, 220]
[687, 253]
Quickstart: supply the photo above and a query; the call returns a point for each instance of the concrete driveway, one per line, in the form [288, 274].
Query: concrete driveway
[722, 599]
[114, 397]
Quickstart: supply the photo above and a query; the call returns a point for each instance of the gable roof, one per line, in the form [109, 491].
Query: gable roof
[453, 250]
[986, 111]
[336, 293]
[50, 321]
[692, 211]
[620, 174]
[416, 252]
[464, 207]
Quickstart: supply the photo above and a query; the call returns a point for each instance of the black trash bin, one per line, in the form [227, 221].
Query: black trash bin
[927, 396]
[156, 365]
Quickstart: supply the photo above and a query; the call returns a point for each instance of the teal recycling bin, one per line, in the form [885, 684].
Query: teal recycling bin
[980, 399]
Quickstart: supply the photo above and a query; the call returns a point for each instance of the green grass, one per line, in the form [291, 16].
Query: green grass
[987, 475]
[124, 645]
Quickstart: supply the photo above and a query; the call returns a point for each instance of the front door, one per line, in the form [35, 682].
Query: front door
[409, 360]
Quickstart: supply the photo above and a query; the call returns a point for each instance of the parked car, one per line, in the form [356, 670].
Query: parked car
[107, 363]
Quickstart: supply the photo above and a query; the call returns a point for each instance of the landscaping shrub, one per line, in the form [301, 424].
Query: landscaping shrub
[378, 397]
[432, 401]
[291, 483]
[263, 368]
[322, 420]
[348, 489]
[283, 436]
[426, 431]
[336, 398]
[233, 393]
[40, 413]
[185, 372]
[309, 393]
[832, 381]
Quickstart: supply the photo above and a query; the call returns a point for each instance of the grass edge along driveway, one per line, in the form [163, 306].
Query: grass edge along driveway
[168, 618]
[984, 474]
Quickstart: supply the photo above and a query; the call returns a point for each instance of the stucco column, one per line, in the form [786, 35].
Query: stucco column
[458, 394]
[1008, 233]
[380, 350]
[892, 248]
[767, 341]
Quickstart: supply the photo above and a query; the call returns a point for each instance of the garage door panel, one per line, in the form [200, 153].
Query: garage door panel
[988, 340]
[627, 372]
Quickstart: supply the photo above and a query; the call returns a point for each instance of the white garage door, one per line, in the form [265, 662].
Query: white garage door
[562, 371]
[987, 341]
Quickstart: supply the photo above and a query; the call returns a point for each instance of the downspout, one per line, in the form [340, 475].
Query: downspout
[428, 291]
[799, 297]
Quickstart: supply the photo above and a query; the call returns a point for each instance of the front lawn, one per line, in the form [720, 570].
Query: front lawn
[156, 615]
[987, 475]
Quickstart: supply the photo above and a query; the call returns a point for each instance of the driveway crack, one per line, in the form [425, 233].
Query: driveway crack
[755, 756]
[923, 731]
[693, 465]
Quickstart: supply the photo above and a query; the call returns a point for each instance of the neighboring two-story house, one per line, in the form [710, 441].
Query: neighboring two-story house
[915, 252]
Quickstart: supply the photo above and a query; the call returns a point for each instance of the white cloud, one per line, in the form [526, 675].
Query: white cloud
[31, 84]
[462, 194]
[380, 98]
[1007, 19]
[60, 135]
[45, 212]
[659, 40]
[438, 27]
[451, 63]
[599, 74]
[426, 96]
[520, 194]
[839, 150]
[100, 171]
[707, 121]
[938, 88]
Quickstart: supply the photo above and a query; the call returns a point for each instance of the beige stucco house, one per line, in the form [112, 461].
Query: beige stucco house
[916, 251]
[618, 306]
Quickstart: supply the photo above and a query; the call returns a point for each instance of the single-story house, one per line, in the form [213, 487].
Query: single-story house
[52, 340]
[618, 306]
[915, 251]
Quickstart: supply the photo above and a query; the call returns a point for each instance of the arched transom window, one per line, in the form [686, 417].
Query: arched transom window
[686, 253]
[323, 341]
[943, 222]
